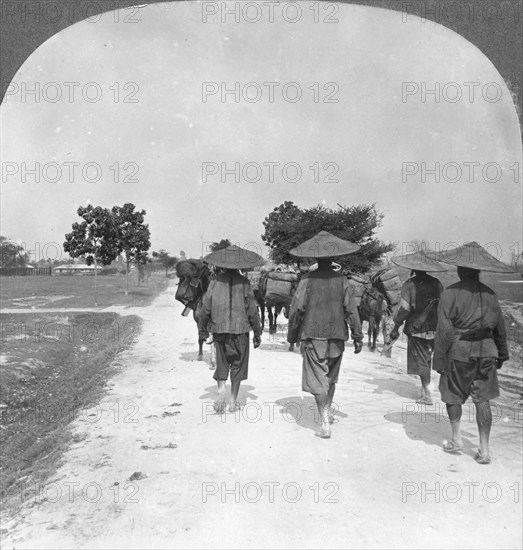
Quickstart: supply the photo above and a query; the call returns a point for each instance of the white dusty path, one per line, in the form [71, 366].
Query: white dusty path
[259, 478]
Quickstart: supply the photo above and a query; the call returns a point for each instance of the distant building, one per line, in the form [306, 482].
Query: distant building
[76, 269]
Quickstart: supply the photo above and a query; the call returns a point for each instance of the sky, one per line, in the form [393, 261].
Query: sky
[136, 127]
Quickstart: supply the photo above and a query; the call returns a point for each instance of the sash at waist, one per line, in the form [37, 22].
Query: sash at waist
[475, 335]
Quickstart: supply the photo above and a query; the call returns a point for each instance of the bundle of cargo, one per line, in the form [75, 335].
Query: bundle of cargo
[282, 268]
[357, 284]
[188, 268]
[388, 282]
[194, 278]
[267, 267]
[280, 286]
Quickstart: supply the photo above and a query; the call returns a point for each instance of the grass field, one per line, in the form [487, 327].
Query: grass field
[54, 366]
[62, 291]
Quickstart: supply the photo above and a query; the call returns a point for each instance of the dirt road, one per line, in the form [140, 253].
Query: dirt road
[259, 478]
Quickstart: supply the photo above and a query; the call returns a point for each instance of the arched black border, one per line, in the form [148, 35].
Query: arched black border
[499, 38]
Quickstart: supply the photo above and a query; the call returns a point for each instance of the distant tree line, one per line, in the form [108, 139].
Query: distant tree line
[12, 254]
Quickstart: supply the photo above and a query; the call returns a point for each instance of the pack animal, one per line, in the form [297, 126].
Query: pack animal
[277, 289]
[372, 308]
[388, 283]
[194, 278]
[255, 278]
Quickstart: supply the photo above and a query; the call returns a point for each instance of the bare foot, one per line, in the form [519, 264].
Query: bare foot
[219, 404]
[233, 407]
[453, 446]
[425, 401]
[481, 458]
[332, 418]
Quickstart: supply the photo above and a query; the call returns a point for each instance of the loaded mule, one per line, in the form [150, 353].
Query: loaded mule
[277, 289]
[194, 278]
[255, 278]
[376, 297]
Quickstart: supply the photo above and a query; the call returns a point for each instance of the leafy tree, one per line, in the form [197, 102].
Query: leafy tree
[224, 243]
[133, 235]
[11, 254]
[283, 231]
[165, 259]
[96, 239]
[287, 226]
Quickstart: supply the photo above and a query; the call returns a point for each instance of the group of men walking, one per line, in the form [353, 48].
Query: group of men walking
[461, 327]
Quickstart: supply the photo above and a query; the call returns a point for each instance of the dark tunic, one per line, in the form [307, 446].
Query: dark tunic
[470, 324]
[229, 306]
[229, 310]
[470, 336]
[416, 294]
[321, 308]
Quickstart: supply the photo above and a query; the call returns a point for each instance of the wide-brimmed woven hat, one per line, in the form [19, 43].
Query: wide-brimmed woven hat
[234, 257]
[324, 245]
[418, 261]
[473, 256]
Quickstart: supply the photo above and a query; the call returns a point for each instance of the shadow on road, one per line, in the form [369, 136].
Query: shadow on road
[407, 390]
[193, 356]
[277, 346]
[303, 411]
[430, 427]
[245, 393]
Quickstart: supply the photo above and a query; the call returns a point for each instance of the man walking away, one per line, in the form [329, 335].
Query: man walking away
[471, 344]
[320, 310]
[229, 309]
[418, 310]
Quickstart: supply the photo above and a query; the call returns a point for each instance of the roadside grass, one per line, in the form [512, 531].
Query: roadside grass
[53, 366]
[77, 291]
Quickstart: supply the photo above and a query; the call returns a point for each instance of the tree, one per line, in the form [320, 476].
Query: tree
[165, 259]
[133, 235]
[287, 226]
[95, 239]
[142, 260]
[224, 243]
[11, 254]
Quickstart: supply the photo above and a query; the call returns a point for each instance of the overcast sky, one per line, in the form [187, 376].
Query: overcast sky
[367, 136]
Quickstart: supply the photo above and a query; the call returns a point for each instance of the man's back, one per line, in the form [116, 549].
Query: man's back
[471, 304]
[324, 300]
[469, 309]
[416, 294]
[229, 305]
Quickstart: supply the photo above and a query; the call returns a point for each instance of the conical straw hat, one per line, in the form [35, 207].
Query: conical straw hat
[234, 257]
[418, 261]
[473, 256]
[324, 245]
